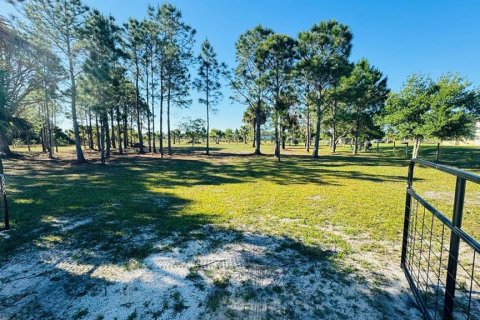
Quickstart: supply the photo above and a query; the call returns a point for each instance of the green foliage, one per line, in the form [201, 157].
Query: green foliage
[228, 134]
[444, 109]
[324, 50]
[217, 134]
[194, 129]
[102, 39]
[18, 80]
[248, 85]
[323, 59]
[58, 24]
[210, 72]
[453, 107]
[364, 92]
[276, 57]
[291, 86]
[405, 110]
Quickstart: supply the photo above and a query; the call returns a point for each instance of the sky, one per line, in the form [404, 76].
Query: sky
[399, 37]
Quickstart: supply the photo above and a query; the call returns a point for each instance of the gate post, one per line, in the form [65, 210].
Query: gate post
[454, 248]
[3, 197]
[408, 211]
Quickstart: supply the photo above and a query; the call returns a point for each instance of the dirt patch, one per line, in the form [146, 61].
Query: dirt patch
[471, 198]
[207, 274]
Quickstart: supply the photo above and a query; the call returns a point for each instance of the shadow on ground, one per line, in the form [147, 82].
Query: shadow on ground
[96, 241]
[204, 274]
[45, 190]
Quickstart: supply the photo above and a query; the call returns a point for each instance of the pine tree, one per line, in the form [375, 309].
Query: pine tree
[210, 72]
[323, 50]
[59, 23]
[248, 85]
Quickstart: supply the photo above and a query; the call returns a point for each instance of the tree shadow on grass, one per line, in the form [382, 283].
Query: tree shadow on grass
[43, 198]
[457, 156]
[86, 228]
[41, 191]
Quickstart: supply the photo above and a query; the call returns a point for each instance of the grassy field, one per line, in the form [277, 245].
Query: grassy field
[332, 209]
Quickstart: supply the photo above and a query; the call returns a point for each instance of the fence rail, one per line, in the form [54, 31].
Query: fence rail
[438, 256]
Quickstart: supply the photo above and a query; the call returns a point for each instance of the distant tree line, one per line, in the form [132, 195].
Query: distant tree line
[118, 83]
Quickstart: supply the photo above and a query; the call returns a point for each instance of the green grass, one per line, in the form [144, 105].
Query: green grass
[298, 198]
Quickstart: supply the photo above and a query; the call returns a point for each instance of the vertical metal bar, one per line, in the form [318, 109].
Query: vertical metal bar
[429, 255]
[413, 221]
[3, 195]
[471, 284]
[454, 248]
[439, 271]
[408, 211]
[5, 213]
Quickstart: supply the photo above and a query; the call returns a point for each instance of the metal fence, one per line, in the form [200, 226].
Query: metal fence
[438, 256]
[3, 203]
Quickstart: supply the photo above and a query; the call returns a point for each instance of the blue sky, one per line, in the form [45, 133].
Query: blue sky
[399, 37]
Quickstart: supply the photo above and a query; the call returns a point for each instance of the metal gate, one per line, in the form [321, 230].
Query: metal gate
[438, 256]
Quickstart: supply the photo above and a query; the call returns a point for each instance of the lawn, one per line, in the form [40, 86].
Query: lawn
[322, 227]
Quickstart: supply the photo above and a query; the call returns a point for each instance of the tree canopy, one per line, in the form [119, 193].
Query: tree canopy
[121, 84]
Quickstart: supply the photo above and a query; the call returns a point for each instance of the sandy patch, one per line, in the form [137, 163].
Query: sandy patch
[212, 274]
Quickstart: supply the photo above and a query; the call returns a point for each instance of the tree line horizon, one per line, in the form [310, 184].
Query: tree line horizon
[121, 81]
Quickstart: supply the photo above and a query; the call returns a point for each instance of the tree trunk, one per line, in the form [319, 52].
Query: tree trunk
[98, 132]
[49, 131]
[254, 128]
[334, 126]
[152, 83]
[73, 90]
[84, 140]
[149, 132]
[47, 121]
[125, 128]
[3, 198]
[137, 105]
[102, 142]
[208, 129]
[55, 142]
[43, 139]
[4, 148]
[437, 156]
[308, 134]
[28, 141]
[258, 133]
[277, 138]
[416, 148]
[317, 132]
[114, 144]
[119, 130]
[355, 146]
[169, 138]
[357, 132]
[90, 130]
[334, 140]
[161, 112]
[131, 130]
[107, 135]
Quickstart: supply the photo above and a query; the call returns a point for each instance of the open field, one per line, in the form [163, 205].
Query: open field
[225, 236]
